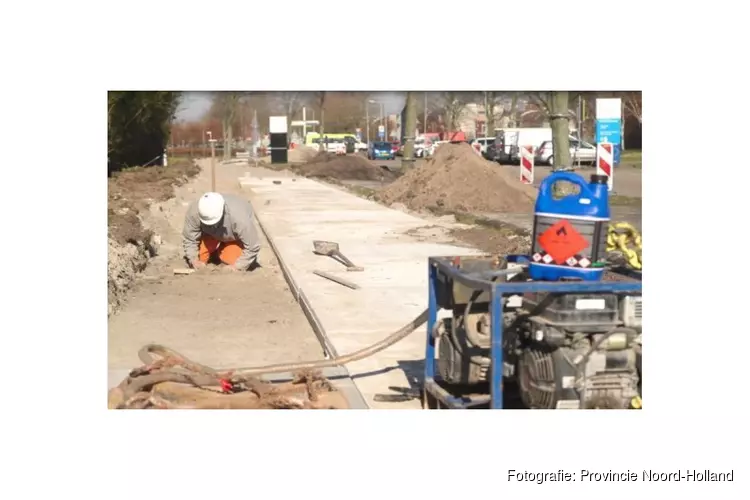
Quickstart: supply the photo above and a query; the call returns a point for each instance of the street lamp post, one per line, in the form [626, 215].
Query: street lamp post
[381, 109]
[212, 141]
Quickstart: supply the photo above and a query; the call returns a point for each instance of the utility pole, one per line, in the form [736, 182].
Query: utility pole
[367, 120]
[383, 121]
[304, 123]
[213, 165]
[424, 124]
[409, 128]
[487, 114]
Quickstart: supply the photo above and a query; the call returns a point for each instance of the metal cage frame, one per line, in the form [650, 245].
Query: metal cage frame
[443, 265]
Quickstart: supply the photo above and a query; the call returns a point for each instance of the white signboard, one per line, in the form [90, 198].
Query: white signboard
[277, 125]
[609, 109]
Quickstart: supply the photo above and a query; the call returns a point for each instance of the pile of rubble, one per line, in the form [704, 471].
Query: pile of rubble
[350, 167]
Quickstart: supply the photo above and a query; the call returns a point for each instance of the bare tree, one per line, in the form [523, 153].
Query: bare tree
[453, 106]
[225, 106]
[509, 114]
[633, 104]
[490, 101]
[292, 103]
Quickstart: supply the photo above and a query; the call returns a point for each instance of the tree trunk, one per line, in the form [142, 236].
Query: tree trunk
[228, 142]
[225, 134]
[323, 145]
[410, 125]
[489, 114]
[558, 115]
[513, 122]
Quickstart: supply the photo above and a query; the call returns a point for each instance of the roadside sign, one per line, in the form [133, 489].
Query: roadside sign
[381, 131]
[604, 162]
[608, 130]
[609, 108]
[527, 164]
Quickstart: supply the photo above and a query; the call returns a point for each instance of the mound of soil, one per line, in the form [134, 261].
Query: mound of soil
[131, 192]
[350, 167]
[124, 262]
[457, 179]
[302, 154]
[131, 243]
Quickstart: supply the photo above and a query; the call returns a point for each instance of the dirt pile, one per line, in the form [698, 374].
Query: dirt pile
[349, 167]
[457, 179]
[130, 242]
[301, 155]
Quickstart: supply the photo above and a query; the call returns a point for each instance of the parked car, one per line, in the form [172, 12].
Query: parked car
[396, 147]
[580, 151]
[491, 153]
[483, 142]
[421, 148]
[381, 151]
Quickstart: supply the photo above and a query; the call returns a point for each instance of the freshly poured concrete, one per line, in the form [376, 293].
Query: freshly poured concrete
[393, 284]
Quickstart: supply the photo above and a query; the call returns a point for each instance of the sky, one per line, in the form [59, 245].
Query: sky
[193, 106]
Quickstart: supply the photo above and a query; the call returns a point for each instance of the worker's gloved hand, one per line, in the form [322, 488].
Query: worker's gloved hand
[197, 264]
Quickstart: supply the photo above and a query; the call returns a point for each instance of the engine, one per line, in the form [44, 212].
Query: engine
[571, 351]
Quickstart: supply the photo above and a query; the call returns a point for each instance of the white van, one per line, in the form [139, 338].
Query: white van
[509, 140]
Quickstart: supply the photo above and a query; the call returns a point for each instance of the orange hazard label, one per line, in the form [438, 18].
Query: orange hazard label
[562, 241]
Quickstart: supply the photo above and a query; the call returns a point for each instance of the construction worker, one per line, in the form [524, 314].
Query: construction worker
[220, 228]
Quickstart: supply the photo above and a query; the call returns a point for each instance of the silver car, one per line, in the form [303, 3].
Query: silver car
[580, 151]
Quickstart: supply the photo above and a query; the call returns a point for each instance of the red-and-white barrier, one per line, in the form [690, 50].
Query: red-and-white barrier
[527, 164]
[605, 162]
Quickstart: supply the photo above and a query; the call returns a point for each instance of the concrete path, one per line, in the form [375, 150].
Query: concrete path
[295, 211]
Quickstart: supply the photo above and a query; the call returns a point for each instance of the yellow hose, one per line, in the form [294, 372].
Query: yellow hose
[623, 237]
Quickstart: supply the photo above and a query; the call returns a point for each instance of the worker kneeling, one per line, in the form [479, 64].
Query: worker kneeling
[220, 228]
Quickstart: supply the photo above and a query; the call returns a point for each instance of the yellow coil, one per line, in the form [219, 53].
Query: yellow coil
[625, 238]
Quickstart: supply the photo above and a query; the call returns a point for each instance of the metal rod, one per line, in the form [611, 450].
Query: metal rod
[340, 281]
[496, 350]
[429, 361]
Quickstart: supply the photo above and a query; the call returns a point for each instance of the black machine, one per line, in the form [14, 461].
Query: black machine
[560, 345]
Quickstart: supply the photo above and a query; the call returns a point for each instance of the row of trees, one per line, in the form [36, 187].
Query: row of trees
[231, 113]
[138, 126]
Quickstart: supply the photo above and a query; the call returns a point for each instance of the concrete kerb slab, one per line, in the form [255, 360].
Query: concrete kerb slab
[328, 350]
[394, 282]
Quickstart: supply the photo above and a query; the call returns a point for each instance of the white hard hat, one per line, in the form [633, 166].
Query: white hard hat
[211, 208]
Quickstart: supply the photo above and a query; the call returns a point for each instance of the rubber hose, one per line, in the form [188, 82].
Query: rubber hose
[145, 354]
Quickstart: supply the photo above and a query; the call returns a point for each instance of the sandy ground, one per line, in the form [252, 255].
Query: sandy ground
[223, 320]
